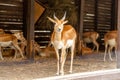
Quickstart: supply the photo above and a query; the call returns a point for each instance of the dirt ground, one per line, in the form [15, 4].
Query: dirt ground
[20, 69]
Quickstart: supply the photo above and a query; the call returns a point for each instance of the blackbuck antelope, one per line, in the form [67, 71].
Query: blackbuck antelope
[63, 37]
[37, 48]
[9, 40]
[110, 40]
[44, 52]
[91, 37]
[48, 52]
[20, 37]
[84, 49]
[23, 41]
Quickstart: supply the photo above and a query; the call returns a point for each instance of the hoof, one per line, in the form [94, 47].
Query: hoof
[70, 71]
[61, 74]
[1, 58]
[104, 60]
[57, 73]
[111, 59]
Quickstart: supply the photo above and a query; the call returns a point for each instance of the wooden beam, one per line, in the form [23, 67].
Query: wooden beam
[96, 16]
[81, 13]
[118, 26]
[80, 27]
[30, 28]
[114, 14]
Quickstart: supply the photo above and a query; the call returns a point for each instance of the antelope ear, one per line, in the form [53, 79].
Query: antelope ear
[52, 20]
[65, 22]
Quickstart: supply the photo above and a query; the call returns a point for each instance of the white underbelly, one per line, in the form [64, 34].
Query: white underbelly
[60, 44]
[69, 43]
[112, 42]
[5, 44]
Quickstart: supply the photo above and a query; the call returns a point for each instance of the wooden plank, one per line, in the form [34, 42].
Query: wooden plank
[104, 10]
[89, 17]
[88, 24]
[12, 26]
[42, 39]
[10, 20]
[81, 14]
[38, 10]
[118, 26]
[42, 34]
[18, 8]
[11, 13]
[7, 2]
[11, 17]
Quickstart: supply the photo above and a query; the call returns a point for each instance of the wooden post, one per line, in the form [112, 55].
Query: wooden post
[118, 26]
[81, 13]
[80, 28]
[30, 28]
[114, 14]
[96, 15]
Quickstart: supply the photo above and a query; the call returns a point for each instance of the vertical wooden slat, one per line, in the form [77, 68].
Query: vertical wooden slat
[82, 2]
[30, 28]
[114, 15]
[118, 26]
[96, 15]
[80, 28]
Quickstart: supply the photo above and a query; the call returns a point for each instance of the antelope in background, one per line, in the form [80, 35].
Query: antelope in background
[9, 40]
[48, 52]
[5, 41]
[84, 49]
[110, 40]
[63, 37]
[23, 41]
[91, 37]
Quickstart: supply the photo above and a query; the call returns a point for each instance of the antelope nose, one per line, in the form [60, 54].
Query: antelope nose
[59, 29]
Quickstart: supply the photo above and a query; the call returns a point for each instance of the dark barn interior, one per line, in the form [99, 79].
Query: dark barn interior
[30, 17]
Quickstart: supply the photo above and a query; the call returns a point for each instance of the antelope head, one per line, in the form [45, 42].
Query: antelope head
[59, 24]
[18, 35]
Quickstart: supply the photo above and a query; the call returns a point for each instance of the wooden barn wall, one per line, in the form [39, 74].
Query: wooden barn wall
[11, 15]
[98, 16]
[89, 15]
[104, 16]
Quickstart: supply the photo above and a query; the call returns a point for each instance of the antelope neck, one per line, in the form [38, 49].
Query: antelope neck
[57, 36]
